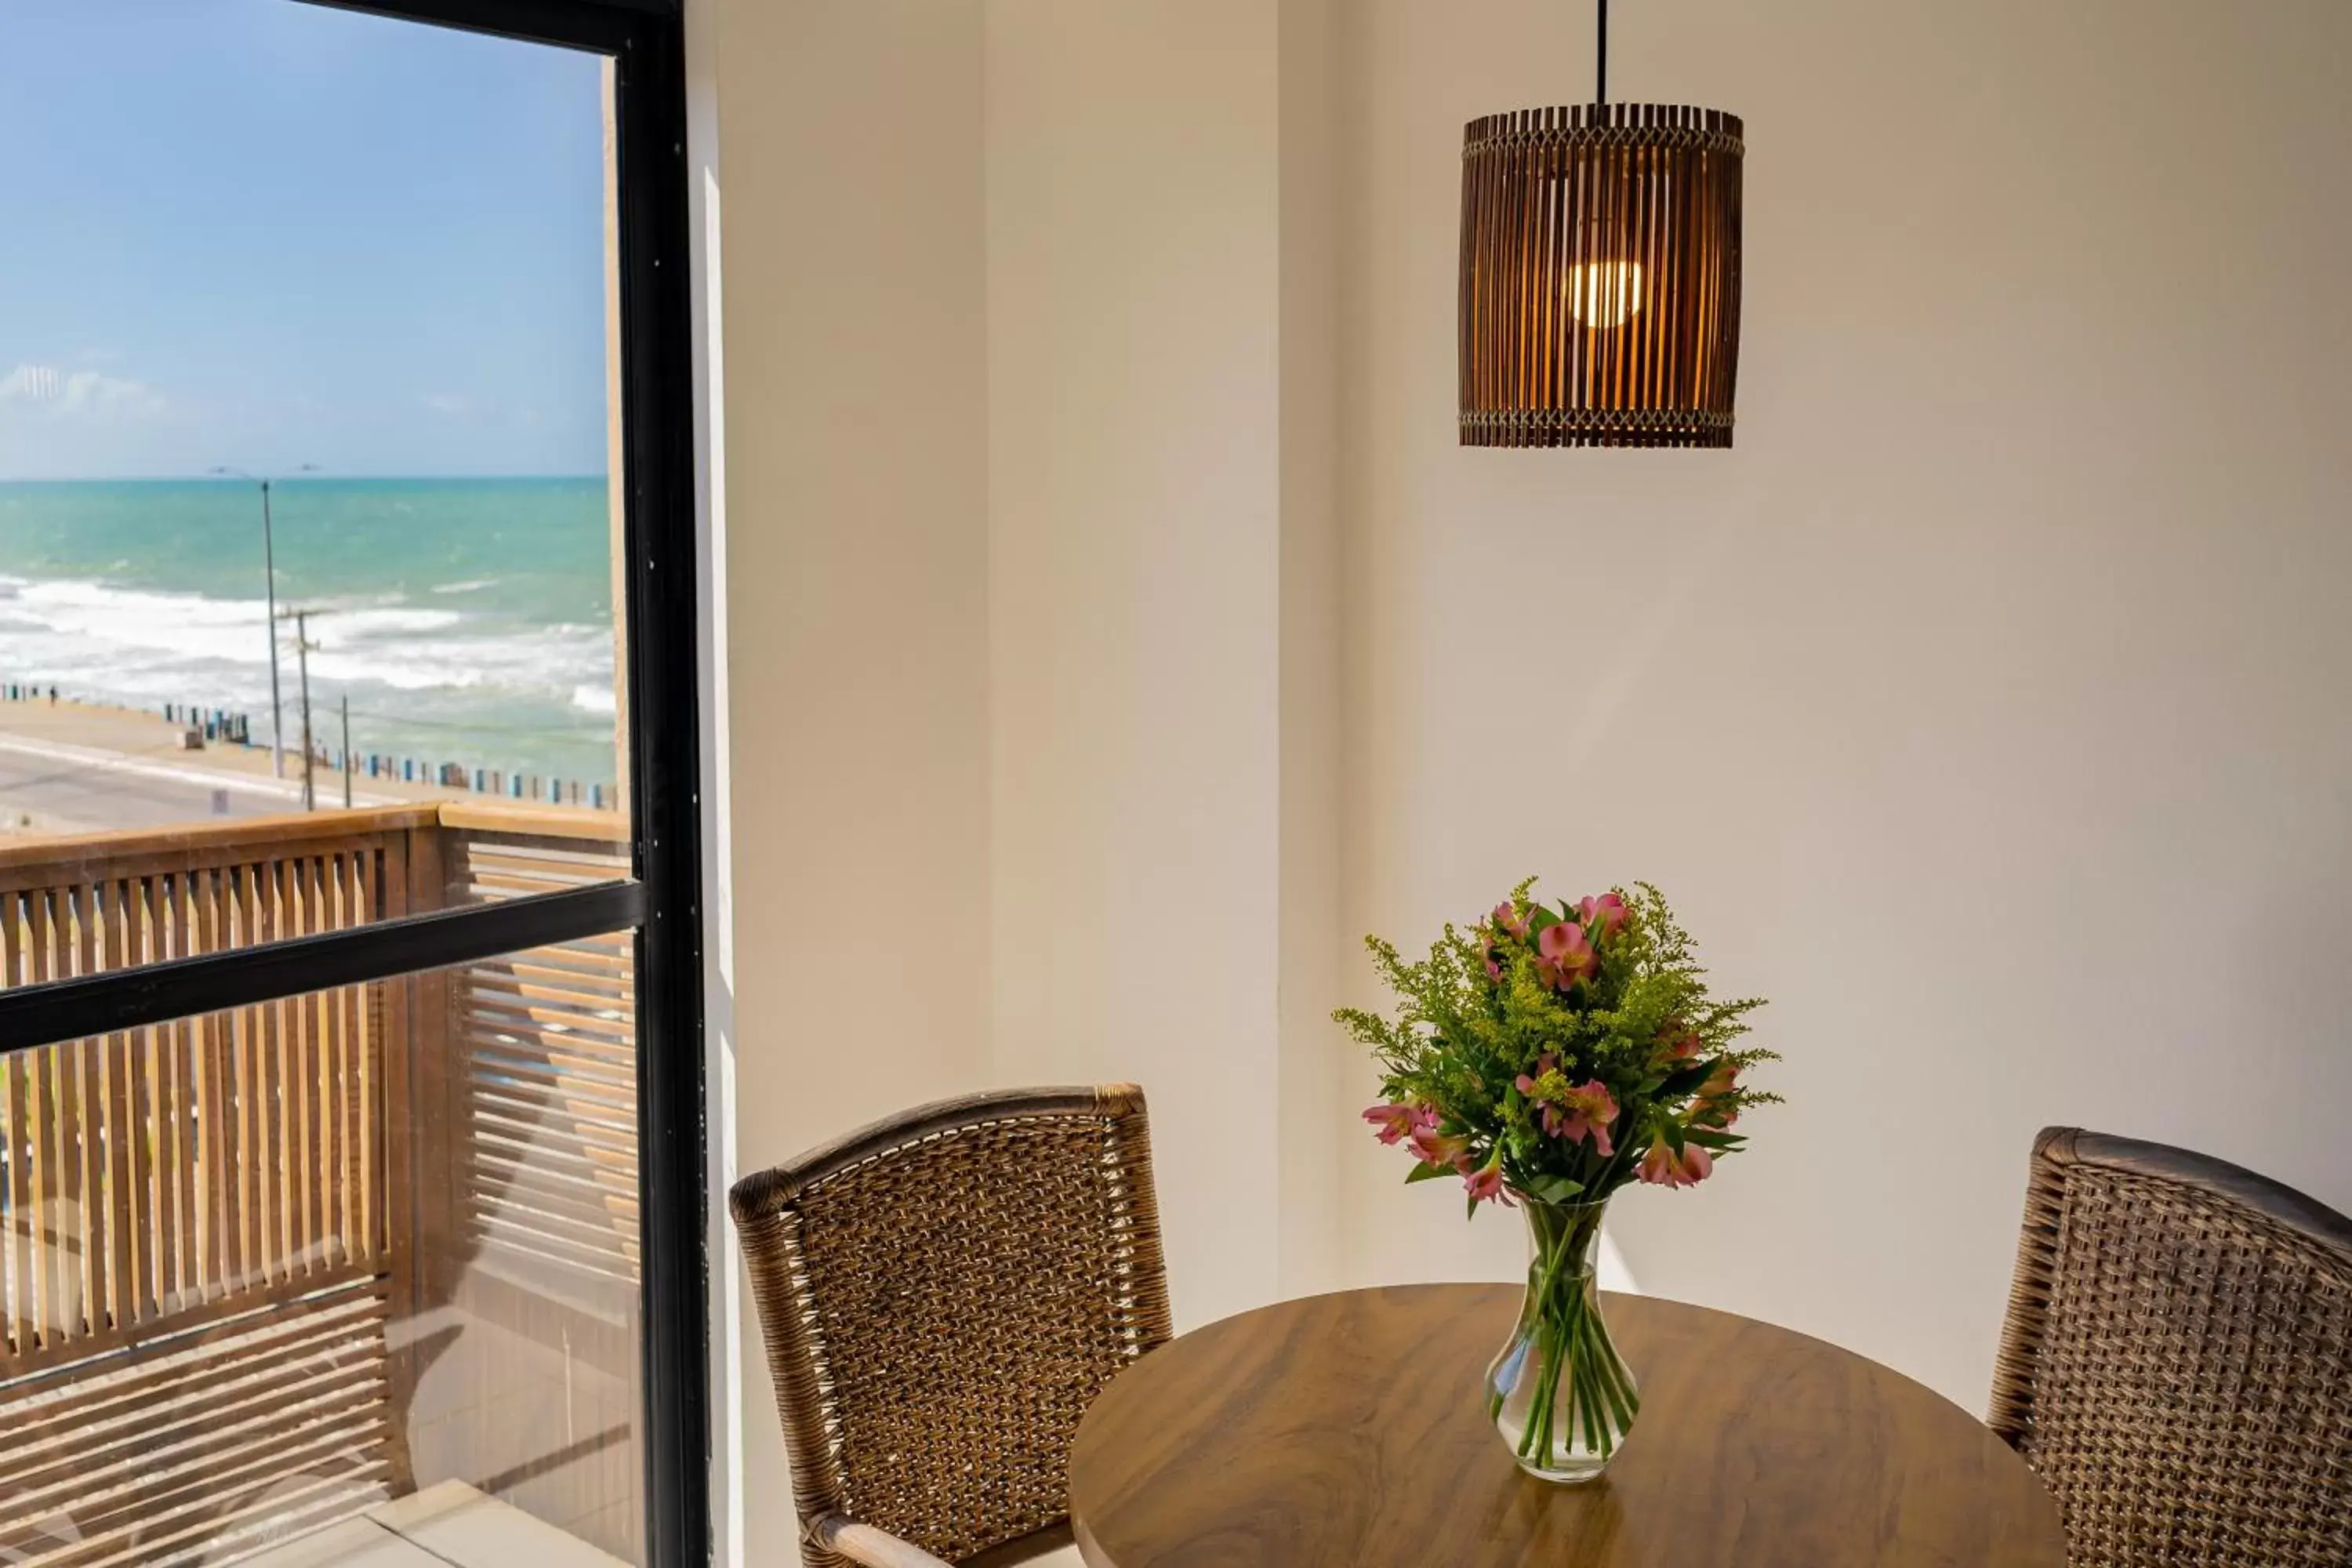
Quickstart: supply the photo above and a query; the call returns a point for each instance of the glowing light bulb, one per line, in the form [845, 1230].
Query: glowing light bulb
[1604, 294]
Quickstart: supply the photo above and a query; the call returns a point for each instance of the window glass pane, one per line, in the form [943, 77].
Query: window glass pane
[357, 1264]
[307, 446]
[309, 622]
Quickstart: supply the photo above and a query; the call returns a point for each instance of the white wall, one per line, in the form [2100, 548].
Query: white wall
[1316, 1118]
[1115, 631]
[857, 558]
[1003, 491]
[853, 498]
[1146, 495]
[1985, 708]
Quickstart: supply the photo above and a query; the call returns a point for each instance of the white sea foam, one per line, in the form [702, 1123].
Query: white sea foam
[470, 585]
[594, 699]
[84, 620]
[337, 627]
[141, 646]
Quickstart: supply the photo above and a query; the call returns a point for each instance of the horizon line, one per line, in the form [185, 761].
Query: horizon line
[291, 478]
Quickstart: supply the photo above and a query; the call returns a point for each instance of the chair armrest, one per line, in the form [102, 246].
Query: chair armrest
[864, 1543]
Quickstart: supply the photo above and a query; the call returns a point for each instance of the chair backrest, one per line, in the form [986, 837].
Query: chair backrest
[943, 1295]
[2177, 1359]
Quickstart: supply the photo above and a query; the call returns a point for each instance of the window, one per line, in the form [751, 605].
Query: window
[351, 1136]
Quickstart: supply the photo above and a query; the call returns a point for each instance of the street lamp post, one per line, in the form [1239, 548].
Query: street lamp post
[269, 594]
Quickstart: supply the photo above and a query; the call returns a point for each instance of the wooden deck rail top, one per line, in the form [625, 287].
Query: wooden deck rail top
[580, 823]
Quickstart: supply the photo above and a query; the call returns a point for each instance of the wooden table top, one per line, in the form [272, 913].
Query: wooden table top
[1348, 1431]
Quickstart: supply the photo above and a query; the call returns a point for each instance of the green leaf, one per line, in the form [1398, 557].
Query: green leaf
[1671, 1131]
[1681, 1083]
[1707, 1138]
[1556, 1189]
[1426, 1173]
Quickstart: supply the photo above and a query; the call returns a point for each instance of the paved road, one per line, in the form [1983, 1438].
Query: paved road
[69, 789]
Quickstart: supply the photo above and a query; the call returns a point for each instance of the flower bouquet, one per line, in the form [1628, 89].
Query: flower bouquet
[1547, 1056]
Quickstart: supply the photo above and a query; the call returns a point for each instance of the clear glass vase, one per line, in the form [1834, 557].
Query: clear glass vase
[1559, 1393]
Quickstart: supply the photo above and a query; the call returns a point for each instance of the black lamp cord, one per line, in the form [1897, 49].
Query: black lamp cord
[1600, 57]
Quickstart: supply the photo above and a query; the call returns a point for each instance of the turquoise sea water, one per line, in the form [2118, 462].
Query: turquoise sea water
[467, 620]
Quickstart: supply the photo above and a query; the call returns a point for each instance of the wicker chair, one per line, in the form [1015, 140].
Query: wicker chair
[944, 1294]
[2177, 1359]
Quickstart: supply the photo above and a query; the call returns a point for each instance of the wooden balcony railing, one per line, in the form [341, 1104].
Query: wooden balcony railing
[263, 1268]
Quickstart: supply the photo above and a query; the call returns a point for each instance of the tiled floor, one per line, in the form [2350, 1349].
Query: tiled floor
[446, 1526]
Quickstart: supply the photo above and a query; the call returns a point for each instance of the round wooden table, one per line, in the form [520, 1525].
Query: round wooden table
[1347, 1431]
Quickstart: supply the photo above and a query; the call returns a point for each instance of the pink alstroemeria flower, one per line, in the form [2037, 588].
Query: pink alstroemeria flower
[1508, 919]
[1545, 1064]
[1494, 969]
[1586, 1110]
[1486, 1183]
[1395, 1123]
[1662, 1167]
[1564, 956]
[1679, 1043]
[1714, 1107]
[1608, 909]
[1435, 1149]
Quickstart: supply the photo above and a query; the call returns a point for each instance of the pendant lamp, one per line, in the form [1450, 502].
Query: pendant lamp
[1601, 274]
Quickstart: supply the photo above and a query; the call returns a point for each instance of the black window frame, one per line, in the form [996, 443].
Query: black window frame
[663, 902]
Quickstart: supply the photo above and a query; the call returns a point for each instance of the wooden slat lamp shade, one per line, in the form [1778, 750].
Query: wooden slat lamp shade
[1600, 277]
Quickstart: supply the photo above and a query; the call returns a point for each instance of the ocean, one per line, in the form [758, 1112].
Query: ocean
[468, 621]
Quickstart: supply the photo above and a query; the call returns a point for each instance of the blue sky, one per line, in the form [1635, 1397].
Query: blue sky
[261, 233]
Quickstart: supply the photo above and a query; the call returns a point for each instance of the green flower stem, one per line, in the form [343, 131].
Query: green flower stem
[1562, 1332]
[1553, 1346]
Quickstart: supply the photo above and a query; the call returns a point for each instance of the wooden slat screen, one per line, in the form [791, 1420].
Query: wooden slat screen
[536, 1255]
[261, 1269]
[203, 1446]
[161, 1185]
[548, 1043]
[155, 1172]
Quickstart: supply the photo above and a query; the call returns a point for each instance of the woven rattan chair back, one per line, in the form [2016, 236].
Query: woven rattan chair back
[943, 1295]
[2178, 1359]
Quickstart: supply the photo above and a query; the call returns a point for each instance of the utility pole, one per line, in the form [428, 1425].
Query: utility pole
[347, 751]
[269, 596]
[302, 658]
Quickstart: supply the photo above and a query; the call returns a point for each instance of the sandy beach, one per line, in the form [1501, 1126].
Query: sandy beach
[78, 767]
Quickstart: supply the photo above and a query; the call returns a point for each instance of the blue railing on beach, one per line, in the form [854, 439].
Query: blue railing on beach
[218, 725]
